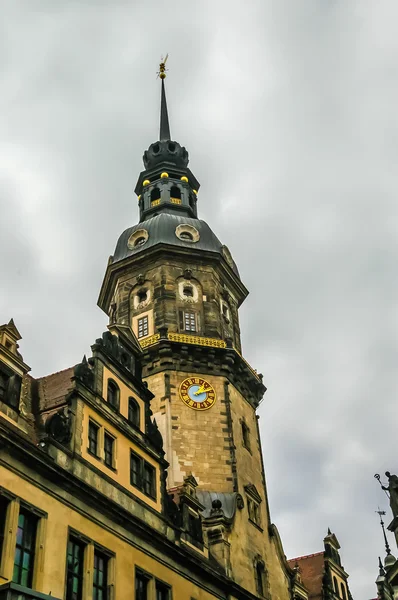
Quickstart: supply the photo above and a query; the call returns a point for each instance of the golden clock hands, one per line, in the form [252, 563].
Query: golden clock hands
[201, 390]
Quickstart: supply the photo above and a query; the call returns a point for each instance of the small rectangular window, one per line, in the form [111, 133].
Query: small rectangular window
[149, 480]
[162, 591]
[109, 444]
[25, 549]
[135, 470]
[4, 502]
[74, 578]
[141, 586]
[143, 327]
[189, 321]
[93, 438]
[100, 579]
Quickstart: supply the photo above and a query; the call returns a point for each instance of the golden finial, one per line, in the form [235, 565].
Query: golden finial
[162, 67]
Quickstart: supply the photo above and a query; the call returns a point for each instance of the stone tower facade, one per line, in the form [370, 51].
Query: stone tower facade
[176, 285]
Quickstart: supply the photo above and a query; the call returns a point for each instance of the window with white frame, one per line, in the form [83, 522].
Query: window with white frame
[143, 327]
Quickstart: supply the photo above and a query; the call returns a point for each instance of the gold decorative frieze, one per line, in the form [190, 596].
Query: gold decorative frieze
[197, 340]
[175, 200]
[155, 202]
[149, 341]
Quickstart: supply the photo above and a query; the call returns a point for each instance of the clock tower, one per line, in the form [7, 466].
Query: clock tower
[177, 286]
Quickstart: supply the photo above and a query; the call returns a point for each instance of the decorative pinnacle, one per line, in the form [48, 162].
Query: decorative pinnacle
[162, 67]
[381, 513]
[164, 134]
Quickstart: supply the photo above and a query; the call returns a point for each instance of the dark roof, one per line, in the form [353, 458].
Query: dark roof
[161, 230]
[311, 570]
[53, 388]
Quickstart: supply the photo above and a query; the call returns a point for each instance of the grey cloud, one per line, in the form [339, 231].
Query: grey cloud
[288, 111]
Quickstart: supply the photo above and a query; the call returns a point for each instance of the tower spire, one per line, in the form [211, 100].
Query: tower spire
[164, 134]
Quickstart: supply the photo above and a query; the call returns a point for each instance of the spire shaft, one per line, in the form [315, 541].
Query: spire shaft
[164, 117]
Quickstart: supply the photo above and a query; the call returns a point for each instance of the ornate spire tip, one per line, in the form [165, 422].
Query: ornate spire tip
[162, 67]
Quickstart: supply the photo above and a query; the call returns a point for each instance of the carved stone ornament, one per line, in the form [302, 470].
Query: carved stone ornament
[140, 279]
[188, 274]
[84, 373]
[239, 501]
[58, 426]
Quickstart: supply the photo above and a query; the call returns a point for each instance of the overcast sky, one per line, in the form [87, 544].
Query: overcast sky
[289, 112]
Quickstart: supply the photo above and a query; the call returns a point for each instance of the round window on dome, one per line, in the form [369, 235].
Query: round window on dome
[137, 239]
[187, 233]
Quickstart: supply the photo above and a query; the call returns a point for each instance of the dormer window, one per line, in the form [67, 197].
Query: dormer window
[139, 241]
[113, 394]
[186, 235]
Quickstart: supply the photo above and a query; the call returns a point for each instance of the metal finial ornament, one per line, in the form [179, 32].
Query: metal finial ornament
[381, 513]
[162, 67]
[164, 133]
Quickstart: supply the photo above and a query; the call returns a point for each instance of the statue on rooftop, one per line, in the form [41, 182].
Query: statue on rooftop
[393, 491]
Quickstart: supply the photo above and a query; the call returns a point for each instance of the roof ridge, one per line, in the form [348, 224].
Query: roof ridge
[55, 373]
[305, 556]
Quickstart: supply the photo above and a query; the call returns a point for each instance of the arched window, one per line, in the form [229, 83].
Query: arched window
[134, 412]
[175, 192]
[336, 586]
[343, 592]
[155, 194]
[113, 394]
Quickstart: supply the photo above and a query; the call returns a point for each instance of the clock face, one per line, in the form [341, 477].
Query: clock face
[197, 393]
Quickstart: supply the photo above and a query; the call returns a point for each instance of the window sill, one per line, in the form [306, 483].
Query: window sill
[256, 525]
[141, 489]
[93, 454]
[111, 467]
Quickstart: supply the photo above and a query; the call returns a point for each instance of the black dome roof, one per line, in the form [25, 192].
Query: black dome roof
[161, 229]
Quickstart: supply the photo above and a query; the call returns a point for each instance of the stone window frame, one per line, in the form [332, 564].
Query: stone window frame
[13, 506]
[100, 455]
[253, 502]
[112, 464]
[245, 430]
[113, 394]
[261, 577]
[183, 321]
[185, 228]
[134, 242]
[152, 583]
[135, 319]
[144, 467]
[90, 547]
[11, 378]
